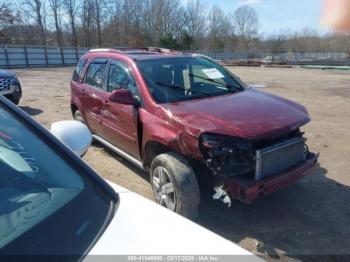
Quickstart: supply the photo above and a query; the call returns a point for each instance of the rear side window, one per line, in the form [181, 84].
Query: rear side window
[96, 74]
[77, 71]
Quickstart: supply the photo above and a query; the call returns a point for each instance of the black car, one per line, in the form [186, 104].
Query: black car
[10, 86]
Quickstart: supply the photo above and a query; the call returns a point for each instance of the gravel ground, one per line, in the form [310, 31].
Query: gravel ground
[310, 218]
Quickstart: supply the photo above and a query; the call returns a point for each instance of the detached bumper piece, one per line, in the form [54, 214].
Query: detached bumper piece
[247, 190]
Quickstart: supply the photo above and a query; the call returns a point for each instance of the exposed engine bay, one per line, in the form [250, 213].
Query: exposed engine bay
[256, 160]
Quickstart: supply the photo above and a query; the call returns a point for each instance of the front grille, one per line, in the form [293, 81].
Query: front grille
[5, 83]
[278, 158]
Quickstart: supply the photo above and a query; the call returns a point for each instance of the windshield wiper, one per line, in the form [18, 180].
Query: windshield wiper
[230, 86]
[184, 89]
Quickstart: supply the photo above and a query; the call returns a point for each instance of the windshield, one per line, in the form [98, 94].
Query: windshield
[37, 189]
[185, 78]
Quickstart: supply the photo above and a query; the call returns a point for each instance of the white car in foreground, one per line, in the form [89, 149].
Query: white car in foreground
[144, 228]
[52, 203]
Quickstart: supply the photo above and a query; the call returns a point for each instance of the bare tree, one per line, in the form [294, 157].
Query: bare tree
[72, 8]
[7, 16]
[219, 28]
[177, 23]
[245, 21]
[38, 7]
[133, 23]
[162, 19]
[87, 19]
[195, 18]
[112, 30]
[55, 8]
[99, 8]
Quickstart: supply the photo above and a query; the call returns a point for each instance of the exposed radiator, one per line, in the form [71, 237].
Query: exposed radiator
[280, 157]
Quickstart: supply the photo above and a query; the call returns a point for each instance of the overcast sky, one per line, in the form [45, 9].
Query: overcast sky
[276, 14]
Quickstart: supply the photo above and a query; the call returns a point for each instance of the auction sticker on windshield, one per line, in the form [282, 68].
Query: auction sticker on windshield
[213, 73]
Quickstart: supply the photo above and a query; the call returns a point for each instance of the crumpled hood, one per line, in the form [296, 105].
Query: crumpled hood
[249, 114]
[5, 73]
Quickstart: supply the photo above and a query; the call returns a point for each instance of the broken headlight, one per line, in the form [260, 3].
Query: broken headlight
[226, 154]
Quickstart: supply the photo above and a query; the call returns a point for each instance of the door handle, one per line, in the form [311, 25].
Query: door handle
[82, 91]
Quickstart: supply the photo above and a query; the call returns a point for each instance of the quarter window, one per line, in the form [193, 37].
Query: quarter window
[77, 71]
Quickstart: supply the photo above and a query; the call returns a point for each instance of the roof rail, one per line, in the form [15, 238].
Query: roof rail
[129, 48]
[148, 49]
[126, 50]
[105, 50]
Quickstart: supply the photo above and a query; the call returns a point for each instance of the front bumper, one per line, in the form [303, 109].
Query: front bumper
[248, 190]
[9, 91]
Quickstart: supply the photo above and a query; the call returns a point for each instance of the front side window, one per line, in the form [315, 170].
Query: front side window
[119, 77]
[95, 74]
[46, 206]
[185, 78]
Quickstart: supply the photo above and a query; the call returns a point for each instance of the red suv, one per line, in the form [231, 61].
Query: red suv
[187, 120]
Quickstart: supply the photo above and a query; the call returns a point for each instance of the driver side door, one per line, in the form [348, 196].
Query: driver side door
[120, 122]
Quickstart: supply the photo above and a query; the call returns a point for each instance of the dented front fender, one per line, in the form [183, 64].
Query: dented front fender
[162, 130]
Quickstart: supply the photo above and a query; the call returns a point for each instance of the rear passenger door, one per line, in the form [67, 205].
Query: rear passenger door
[94, 86]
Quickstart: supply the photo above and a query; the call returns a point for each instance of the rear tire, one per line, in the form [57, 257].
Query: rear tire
[179, 184]
[79, 117]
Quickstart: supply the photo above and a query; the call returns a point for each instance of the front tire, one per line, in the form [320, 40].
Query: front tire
[175, 185]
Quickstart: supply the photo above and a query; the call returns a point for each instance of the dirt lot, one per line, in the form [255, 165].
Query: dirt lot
[310, 218]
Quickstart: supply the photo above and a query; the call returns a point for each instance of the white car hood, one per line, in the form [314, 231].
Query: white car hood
[141, 227]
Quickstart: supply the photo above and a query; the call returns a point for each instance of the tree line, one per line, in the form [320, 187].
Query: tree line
[138, 23]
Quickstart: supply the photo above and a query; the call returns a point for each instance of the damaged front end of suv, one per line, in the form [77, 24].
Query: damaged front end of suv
[246, 169]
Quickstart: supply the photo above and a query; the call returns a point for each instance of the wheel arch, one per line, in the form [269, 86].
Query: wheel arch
[152, 149]
[73, 108]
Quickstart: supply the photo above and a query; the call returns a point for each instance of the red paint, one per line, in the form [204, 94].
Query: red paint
[249, 114]
[122, 97]
[119, 122]
[248, 190]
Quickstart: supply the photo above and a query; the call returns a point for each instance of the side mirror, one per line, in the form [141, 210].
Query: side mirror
[73, 134]
[122, 96]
